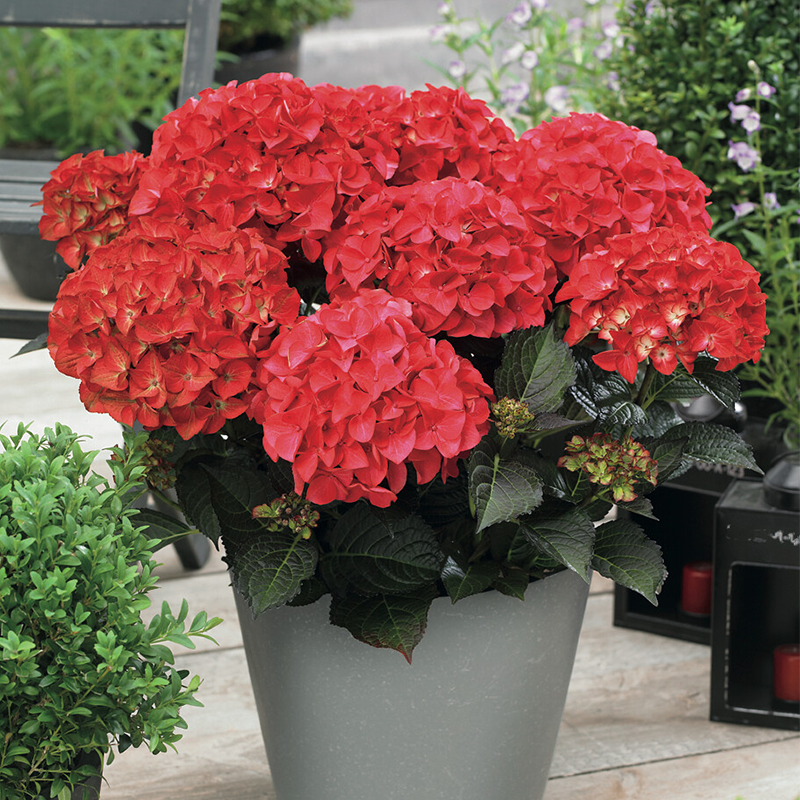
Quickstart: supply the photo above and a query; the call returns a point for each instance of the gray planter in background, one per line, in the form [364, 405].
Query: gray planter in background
[474, 718]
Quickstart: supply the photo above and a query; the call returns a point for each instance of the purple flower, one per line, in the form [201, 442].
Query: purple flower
[557, 98]
[438, 33]
[738, 112]
[612, 81]
[592, 2]
[611, 29]
[764, 89]
[540, 5]
[512, 97]
[575, 24]
[514, 53]
[742, 95]
[743, 209]
[520, 15]
[746, 157]
[603, 50]
[529, 60]
[771, 201]
[443, 8]
[457, 69]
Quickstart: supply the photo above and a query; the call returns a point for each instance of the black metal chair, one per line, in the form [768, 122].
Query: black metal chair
[21, 181]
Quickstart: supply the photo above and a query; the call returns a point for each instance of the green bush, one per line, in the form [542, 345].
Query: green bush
[79, 669]
[685, 61]
[78, 89]
[245, 21]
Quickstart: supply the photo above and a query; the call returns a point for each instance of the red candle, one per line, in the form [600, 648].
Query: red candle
[786, 672]
[696, 588]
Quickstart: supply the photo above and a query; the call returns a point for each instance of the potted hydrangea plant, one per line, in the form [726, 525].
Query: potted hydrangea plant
[81, 673]
[403, 364]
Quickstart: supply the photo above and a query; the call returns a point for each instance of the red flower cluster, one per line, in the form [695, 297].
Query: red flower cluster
[666, 295]
[159, 325]
[582, 179]
[86, 201]
[356, 391]
[459, 253]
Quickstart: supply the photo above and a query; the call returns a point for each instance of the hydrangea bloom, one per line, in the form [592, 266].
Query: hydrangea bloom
[582, 179]
[86, 201]
[356, 391]
[462, 255]
[157, 325]
[667, 295]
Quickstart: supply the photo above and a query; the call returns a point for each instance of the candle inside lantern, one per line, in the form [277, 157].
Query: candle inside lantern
[696, 588]
[786, 672]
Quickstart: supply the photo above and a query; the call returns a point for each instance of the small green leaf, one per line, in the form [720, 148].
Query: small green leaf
[623, 553]
[269, 570]
[640, 505]
[375, 551]
[38, 343]
[502, 490]
[537, 368]
[567, 538]
[394, 622]
[476, 578]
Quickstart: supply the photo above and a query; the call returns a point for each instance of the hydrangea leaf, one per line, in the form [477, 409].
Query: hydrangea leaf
[461, 583]
[712, 444]
[193, 487]
[391, 621]
[537, 368]
[513, 583]
[443, 503]
[604, 396]
[501, 489]
[269, 570]
[568, 538]
[372, 551]
[640, 505]
[167, 529]
[722, 386]
[623, 553]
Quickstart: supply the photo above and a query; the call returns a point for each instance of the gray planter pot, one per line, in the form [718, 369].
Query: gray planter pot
[474, 718]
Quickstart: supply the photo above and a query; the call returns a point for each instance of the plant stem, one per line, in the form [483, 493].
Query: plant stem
[649, 376]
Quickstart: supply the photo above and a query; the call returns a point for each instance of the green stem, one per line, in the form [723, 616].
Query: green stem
[649, 377]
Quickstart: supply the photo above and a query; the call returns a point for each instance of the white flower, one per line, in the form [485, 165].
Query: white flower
[520, 15]
[764, 89]
[743, 209]
[443, 8]
[603, 50]
[611, 29]
[529, 60]
[771, 201]
[514, 53]
[752, 122]
[539, 5]
[438, 33]
[557, 97]
[742, 95]
[514, 96]
[457, 69]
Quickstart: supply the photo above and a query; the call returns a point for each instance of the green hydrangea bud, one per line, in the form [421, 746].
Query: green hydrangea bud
[289, 512]
[511, 417]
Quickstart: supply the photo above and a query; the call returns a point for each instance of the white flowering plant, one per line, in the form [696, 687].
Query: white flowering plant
[531, 63]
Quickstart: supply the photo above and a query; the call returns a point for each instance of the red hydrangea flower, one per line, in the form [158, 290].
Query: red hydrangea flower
[158, 324]
[353, 393]
[582, 179]
[86, 201]
[667, 295]
[460, 254]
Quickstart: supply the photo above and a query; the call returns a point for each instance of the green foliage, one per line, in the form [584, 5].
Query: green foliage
[80, 90]
[244, 21]
[79, 669]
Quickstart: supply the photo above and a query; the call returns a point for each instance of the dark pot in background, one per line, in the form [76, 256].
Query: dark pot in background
[268, 54]
[34, 265]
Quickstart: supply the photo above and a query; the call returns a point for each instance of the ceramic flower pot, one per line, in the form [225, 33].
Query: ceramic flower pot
[474, 717]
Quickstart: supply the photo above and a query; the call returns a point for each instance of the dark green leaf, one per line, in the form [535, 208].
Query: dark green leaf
[398, 623]
[712, 444]
[476, 578]
[513, 583]
[623, 553]
[39, 343]
[443, 503]
[374, 551]
[502, 490]
[567, 538]
[641, 505]
[669, 456]
[164, 527]
[269, 569]
[193, 487]
[537, 368]
[310, 591]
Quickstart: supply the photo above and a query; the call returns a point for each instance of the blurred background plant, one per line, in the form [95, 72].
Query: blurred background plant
[532, 63]
[58, 92]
